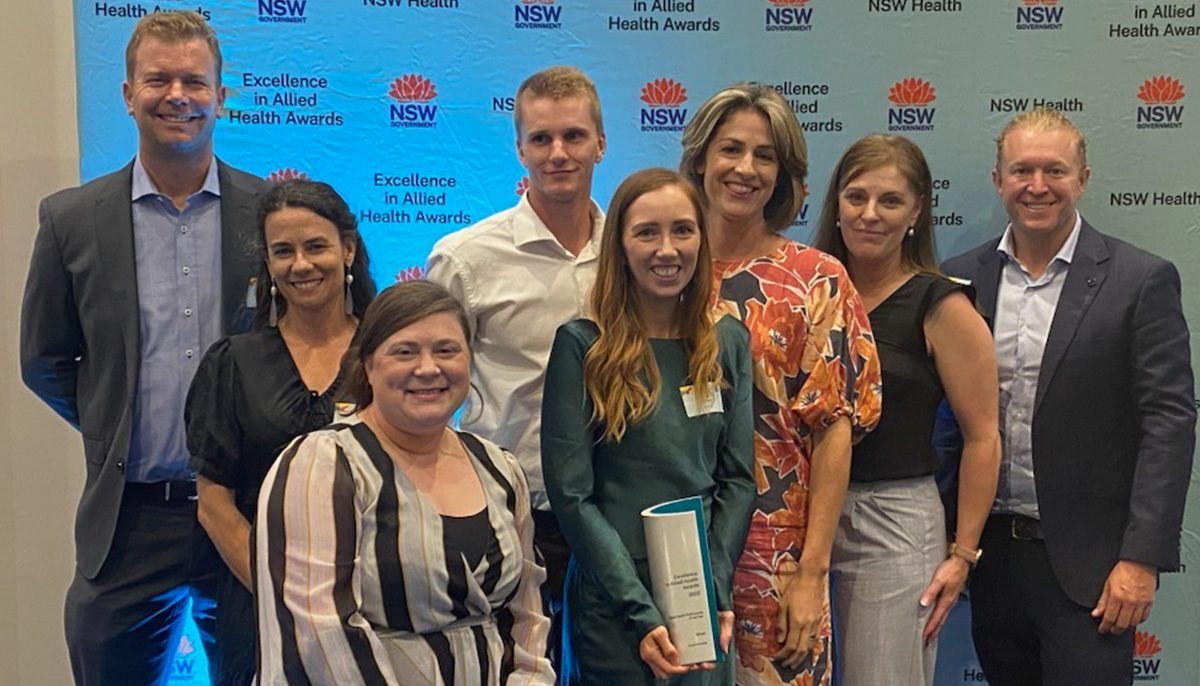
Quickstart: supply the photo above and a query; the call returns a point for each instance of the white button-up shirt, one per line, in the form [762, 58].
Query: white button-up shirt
[518, 285]
[1025, 308]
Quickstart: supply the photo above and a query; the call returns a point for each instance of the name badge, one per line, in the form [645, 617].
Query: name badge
[695, 408]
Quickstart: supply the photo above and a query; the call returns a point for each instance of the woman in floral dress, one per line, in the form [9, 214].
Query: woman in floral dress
[816, 376]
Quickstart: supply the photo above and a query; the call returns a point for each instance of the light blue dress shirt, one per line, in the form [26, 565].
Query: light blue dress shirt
[178, 260]
[1024, 311]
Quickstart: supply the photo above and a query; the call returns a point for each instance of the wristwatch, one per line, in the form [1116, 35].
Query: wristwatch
[967, 555]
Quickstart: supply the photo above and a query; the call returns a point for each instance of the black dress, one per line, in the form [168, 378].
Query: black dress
[901, 446]
[246, 403]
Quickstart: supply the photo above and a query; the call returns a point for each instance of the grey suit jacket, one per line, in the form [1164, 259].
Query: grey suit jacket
[80, 326]
[1114, 414]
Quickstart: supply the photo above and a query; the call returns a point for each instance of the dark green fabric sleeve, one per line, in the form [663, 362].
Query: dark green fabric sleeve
[567, 440]
[733, 499]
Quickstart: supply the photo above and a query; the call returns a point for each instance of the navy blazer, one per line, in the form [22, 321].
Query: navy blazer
[80, 325]
[1114, 414]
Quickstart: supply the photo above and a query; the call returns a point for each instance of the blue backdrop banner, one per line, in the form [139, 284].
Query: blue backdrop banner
[405, 106]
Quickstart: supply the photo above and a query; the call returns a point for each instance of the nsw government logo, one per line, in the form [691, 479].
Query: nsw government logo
[411, 273]
[911, 111]
[282, 11]
[1146, 661]
[183, 667]
[1039, 14]
[413, 93]
[1161, 95]
[286, 174]
[537, 14]
[789, 15]
[663, 113]
[522, 185]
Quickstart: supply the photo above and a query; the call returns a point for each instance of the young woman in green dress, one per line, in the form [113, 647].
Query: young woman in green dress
[647, 401]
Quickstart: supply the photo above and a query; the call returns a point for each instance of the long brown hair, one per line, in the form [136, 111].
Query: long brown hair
[619, 370]
[874, 151]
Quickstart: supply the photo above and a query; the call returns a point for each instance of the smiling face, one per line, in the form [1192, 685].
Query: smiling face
[174, 94]
[661, 240]
[306, 258]
[1040, 178]
[559, 146]
[740, 167]
[420, 375]
[875, 211]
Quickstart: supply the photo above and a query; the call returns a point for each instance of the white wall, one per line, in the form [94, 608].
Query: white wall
[41, 459]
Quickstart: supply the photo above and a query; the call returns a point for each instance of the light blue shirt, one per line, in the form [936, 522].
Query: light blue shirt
[1024, 311]
[178, 258]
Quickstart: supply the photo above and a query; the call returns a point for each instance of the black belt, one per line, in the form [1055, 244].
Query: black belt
[160, 492]
[1019, 527]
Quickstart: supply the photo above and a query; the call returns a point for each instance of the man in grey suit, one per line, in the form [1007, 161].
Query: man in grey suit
[1097, 423]
[132, 277]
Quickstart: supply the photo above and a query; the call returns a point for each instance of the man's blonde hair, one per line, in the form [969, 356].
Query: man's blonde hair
[1042, 119]
[172, 27]
[559, 82]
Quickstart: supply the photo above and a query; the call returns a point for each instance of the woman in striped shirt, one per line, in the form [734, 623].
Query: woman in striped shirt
[390, 549]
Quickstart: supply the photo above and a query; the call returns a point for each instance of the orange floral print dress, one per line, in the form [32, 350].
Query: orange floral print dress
[814, 362]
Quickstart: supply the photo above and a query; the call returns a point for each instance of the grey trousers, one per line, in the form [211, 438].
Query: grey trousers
[890, 539]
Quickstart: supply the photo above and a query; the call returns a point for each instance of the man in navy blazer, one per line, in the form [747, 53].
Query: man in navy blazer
[132, 277]
[1097, 423]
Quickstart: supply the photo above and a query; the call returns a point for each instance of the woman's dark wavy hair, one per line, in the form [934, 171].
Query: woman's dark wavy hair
[398, 306]
[319, 198]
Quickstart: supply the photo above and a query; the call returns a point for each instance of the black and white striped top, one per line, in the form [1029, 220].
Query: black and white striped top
[353, 581]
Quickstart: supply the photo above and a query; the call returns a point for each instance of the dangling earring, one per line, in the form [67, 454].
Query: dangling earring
[272, 316]
[349, 296]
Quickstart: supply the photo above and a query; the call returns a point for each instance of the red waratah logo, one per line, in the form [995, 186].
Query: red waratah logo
[664, 93]
[911, 93]
[410, 274]
[1040, 2]
[286, 174]
[789, 3]
[413, 88]
[1161, 90]
[1145, 644]
[523, 185]
[185, 647]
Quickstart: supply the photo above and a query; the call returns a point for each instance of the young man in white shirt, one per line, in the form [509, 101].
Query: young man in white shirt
[523, 272]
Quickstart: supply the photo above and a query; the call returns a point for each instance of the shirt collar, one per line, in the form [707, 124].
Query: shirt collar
[1065, 254]
[143, 185]
[528, 227]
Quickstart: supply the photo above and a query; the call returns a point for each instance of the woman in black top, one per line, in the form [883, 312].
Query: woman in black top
[255, 392]
[895, 579]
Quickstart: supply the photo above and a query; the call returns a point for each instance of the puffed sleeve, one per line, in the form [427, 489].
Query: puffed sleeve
[214, 434]
[311, 629]
[531, 627]
[567, 441]
[841, 362]
[733, 499]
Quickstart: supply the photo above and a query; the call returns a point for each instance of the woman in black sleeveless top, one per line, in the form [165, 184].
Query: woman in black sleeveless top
[895, 576]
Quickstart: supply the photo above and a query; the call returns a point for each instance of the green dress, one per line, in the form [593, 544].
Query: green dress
[598, 489]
